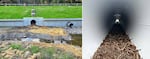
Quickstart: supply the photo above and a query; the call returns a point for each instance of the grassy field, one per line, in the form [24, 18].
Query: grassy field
[19, 12]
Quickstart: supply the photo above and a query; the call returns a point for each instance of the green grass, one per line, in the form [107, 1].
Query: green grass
[48, 53]
[66, 56]
[34, 49]
[19, 12]
[16, 46]
[53, 53]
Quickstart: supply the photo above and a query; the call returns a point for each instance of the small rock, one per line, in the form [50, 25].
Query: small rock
[9, 56]
[3, 54]
[10, 48]
[35, 56]
[2, 46]
[20, 52]
[17, 52]
[27, 54]
[10, 52]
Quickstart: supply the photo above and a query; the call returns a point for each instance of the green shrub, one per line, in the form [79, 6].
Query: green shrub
[65, 55]
[54, 53]
[34, 49]
[48, 53]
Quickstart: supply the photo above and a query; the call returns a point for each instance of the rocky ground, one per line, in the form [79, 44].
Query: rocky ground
[32, 50]
[74, 30]
[117, 45]
[41, 32]
[12, 46]
[33, 31]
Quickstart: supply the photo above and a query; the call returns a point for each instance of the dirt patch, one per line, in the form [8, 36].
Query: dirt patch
[46, 30]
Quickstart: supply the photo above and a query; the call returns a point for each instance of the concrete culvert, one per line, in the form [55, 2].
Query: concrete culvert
[69, 24]
[117, 44]
[33, 22]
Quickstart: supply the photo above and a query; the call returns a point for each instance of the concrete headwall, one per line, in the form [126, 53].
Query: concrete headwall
[41, 22]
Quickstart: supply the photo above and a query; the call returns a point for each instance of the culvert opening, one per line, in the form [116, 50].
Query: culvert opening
[117, 44]
[33, 22]
[69, 24]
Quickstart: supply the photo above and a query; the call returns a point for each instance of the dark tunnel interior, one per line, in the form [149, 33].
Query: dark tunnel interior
[110, 17]
[33, 22]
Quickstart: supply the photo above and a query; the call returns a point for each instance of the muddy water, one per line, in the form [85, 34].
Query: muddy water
[76, 40]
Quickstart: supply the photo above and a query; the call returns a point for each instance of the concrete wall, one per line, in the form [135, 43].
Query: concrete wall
[41, 22]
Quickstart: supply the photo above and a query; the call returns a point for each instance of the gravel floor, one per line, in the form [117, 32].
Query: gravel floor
[117, 45]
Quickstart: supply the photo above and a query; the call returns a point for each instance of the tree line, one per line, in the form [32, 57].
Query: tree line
[39, 1]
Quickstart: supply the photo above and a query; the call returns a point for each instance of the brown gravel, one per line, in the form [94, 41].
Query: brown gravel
[117, 45]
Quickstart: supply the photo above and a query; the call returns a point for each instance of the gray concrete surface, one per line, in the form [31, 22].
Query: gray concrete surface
[57, 22]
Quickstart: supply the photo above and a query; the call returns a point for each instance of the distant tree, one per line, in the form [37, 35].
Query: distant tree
[61, 1]
[14, 1]
[41, 1]
[45, 1]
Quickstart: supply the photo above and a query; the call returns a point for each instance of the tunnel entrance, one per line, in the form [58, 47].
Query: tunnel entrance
[33, 22]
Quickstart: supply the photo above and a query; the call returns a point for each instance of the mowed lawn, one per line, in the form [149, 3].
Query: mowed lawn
[19, 12]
